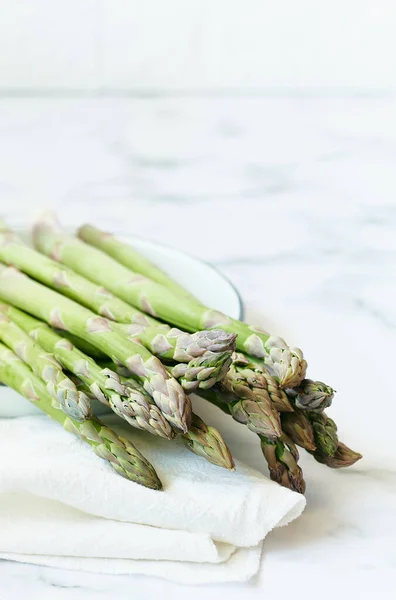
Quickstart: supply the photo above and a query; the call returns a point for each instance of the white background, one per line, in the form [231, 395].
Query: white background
[197, 45]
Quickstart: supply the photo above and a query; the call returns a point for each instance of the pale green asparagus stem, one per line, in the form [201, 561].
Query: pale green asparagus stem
[129, 257]
[82, 345]
[121, 454]
[17, 289]
[14, 252]
[285, 363]
[159, 338]
[64, 393]
[130, 403]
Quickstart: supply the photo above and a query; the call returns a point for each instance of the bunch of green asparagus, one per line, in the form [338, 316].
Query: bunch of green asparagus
[87, 318]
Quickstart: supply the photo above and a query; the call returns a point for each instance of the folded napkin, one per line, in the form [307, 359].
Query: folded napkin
[62, 506]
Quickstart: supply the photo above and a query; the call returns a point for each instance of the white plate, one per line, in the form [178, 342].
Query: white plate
[200, 278]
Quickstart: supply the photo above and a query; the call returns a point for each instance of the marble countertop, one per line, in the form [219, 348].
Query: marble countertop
[293, 199]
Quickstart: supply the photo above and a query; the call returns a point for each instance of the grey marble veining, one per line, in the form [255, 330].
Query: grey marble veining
[294, 199]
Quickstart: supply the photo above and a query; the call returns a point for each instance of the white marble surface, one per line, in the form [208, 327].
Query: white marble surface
[293, 198]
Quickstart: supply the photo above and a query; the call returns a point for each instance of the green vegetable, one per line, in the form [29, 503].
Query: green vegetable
[65, 395]
[121, 454]
[60, 312]
[132, 403]
[284, 363]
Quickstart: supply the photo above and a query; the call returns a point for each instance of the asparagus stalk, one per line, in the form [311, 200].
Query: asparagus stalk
[282, 457]
[317, 433]
[201, 439]
[82, 345]
[131, 403]
[298, 427]
[246, 377]
[325, 433]
[121, 454]
[65, 394]
[171, 343]
[280, 452]
[285, 363]
[203, 372]
[14, 252]
[343, 457]
[130, 258]
[206, 441]
[311, 395]
[253, 396]
[20, 291]
[160, 339]
[252, 410]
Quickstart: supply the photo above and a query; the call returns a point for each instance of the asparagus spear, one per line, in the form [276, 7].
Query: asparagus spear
[201, 439]
[206, 441]
[282, 457]
[246, 377]
[311, 395]
[343, 457]
[129, 257]
[285, 363]
[325, 433]
[159, 338]
[317, 433]
[298, 427]
[253, 396]
[82, 345]
[65, 395]
[14, 252]
[63, 313]
[253, 410]
[171, 343]
[203, 372]
[280, 452]
[131, 403]
[200, 373]
[122, 455]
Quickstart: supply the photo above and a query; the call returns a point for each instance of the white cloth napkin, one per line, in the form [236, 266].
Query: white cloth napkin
[62, 506]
